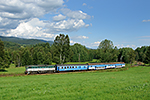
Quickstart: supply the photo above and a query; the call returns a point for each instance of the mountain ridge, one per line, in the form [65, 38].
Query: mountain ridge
[24, 41]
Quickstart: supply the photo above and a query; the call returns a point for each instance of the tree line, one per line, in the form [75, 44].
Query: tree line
[61, 52]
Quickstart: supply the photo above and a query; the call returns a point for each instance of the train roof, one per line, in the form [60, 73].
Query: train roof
[105, 63]
[70, 64]
[38, 65]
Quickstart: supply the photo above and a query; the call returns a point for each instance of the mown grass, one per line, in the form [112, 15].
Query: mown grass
[131, 84]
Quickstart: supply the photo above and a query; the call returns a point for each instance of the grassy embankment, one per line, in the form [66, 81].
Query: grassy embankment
[131, 84]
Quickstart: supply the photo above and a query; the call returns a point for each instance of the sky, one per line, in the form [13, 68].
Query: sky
[88, 22]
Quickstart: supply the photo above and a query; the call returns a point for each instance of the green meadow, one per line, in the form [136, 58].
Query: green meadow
[130, 84]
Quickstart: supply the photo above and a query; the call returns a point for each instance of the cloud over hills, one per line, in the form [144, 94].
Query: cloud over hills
[21, 18]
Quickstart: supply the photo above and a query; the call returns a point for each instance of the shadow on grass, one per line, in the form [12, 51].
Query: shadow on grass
[3, 70]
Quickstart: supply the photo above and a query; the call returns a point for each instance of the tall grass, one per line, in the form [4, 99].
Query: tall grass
[131, 84]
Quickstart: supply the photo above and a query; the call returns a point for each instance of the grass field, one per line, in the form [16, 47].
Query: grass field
[132, 84]
[13, 70]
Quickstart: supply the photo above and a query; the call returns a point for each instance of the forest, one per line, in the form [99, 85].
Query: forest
[61, 52]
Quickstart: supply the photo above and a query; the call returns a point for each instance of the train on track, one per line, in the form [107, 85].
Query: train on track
[71, 67]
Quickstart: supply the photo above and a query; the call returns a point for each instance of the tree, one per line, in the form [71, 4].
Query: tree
[106, 51]
[147, 60]
[141, 53]
[126, 55]
[132, 55]
[4, 57]
[1, 49]
[48, 59]
[80, 53]
[61, 49]
[106, 45]
[17, 58]
[26, 57]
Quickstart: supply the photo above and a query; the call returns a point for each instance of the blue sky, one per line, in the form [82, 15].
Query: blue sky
[88, 22]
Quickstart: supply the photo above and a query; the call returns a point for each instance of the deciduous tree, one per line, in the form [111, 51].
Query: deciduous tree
[148, 55]
[106, 51]
[61, 49]
[4, 57]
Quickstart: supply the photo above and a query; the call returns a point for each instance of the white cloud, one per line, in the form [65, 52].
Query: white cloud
[67, 0]
[146, 36]
[90, 24]
[79, 37]
[87, 25]
[146, 20]
[59, 17]
[75, 14]
[96, 43]
[45, 30]
[65, 26]
[13, 12]
[123, 46]
[31, 29]
[82, 37]
[0, 19]
[24, 9]
[20, 18]
[73, 42]
[84, 4]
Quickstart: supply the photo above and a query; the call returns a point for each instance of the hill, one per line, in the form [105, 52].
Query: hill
[23, 41]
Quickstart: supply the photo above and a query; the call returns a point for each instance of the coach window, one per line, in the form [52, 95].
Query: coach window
[76, 66]
[62, 67]
[70, 66]
[67, 67]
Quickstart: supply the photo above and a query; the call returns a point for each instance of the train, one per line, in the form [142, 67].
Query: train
[71, 67]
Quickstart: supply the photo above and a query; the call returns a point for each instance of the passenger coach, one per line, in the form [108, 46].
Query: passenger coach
[71, 67]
